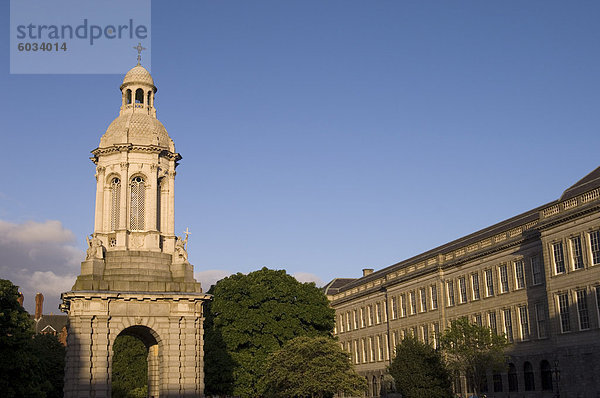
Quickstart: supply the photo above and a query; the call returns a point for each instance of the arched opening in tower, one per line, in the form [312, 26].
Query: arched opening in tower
[135, 363]
[139, 96]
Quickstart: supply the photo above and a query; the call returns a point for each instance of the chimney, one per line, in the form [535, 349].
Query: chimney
[39, 305]
[20, 299]
[367, 271]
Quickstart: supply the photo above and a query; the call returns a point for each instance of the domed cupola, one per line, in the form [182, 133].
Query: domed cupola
[137, 123]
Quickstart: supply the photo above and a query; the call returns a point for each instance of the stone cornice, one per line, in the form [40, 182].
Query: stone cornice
[137, 296]
[161, 151]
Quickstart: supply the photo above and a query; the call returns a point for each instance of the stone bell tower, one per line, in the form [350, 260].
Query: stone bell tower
[136, 279]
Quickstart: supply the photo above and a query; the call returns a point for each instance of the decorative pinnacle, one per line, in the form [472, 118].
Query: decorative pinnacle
[139, 49]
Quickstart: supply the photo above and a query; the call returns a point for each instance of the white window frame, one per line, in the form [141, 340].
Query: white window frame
[563, 311]
[503, 278]
[462, 289]
[489, 282]
[558, 258]
[594, 241]
[524, 323]
[475, 286]
[450, 299]
[574, 242]
[519, 268]
[423, 299]
[434, 296]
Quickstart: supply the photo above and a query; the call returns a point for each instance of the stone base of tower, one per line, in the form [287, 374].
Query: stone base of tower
[169, 324]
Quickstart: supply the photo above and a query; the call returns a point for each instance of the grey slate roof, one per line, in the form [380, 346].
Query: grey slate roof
[56, 322]
[589, 182]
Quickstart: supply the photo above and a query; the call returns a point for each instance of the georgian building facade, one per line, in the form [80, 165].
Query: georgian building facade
[534, 277]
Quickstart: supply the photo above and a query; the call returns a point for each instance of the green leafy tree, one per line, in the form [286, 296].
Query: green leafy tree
[471, 350]
[19, 376]
[50, 355]
[311, 367]
[252, 316]
[419, 372]
[130, 368]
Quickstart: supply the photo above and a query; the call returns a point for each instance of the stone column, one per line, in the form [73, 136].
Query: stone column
[99, 219]
[100, 361]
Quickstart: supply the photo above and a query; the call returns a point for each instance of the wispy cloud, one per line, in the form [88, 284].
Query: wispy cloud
[39, 257]
[210, 277]
[308, 277]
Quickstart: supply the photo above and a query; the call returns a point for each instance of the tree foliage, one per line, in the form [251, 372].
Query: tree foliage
[419, 372]
[311, 367]
[29, 366]
[130, 368]
[252, 316]
[471, 350]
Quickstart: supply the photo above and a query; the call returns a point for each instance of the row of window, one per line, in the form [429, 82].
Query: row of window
[376, 348]
[576, 301]
[545, 376]
[576, 255]
[426, 298]
[471, 288]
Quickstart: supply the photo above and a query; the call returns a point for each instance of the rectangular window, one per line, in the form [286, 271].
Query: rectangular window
[462, 286]
[394, 342]
[582, 310]
[372, 346]
[377, 313]
[475, 286]
[508, 331]
[434, 297]
[364, 351]
[341, 323]
[371, 315]
[355, 319]
[576, 252]
[394, 308]
[519, 274]
[379, 348]
[425, 332]
[503, 278]
[595, 247]
[356, 352]
[423, 294]
[559, 258]
[413, 303]
[436, 335]
[489, 283]
[563, 310]
[403, 304]
[492, 322]
[363, 317]
[536, 270]
[598, 300]
[524, 322]
[540, 315]
[478, 320]
[348, 321]
[413, 331]
[450, 292]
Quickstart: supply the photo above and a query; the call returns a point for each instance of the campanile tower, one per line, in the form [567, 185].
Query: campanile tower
[136, 278]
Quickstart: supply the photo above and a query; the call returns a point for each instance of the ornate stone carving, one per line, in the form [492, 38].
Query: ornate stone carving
[95, 248]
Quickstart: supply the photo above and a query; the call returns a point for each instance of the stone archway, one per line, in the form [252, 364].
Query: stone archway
[152, 341]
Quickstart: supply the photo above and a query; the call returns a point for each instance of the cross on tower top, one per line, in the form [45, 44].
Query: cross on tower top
[139, 49]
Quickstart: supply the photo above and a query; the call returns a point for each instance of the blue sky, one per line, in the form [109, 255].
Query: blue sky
[320, 137]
